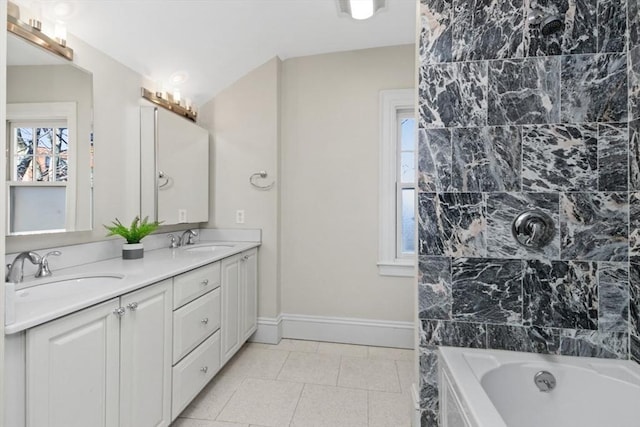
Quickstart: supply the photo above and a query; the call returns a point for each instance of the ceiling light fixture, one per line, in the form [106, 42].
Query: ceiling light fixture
[171, 103]
[32, 33]
[179, 77]
[360, 9]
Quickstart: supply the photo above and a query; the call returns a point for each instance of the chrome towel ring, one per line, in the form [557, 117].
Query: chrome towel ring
[260, 175]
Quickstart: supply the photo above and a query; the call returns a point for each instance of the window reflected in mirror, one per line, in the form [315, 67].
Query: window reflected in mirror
[49, 145]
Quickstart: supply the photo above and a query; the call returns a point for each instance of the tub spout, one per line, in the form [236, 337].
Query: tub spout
[545, 381]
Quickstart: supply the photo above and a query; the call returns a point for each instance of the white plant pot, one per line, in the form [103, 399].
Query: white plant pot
[132, 251]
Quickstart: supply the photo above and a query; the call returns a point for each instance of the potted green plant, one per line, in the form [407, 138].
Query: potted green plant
[138, 229]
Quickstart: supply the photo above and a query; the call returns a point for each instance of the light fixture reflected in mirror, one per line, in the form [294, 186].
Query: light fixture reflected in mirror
[32, 33]
[360, 9]
[170, 102]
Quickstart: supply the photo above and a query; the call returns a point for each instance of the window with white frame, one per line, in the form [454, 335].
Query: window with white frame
[397, 236]
[40, 167]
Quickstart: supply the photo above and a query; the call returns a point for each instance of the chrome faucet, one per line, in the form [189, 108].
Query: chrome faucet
[15, 270]
[189, 234]
[43, 266]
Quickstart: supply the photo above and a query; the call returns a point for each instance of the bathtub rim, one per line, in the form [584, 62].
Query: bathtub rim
[474, 398]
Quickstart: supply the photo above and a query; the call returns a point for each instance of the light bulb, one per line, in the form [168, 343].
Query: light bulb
[60, 33]
[361, 9]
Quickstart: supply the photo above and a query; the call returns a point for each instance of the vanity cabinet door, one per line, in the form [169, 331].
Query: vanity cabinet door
[230, 322]
[145, 356]
[239, 301]
[72, 369]
[249, 293]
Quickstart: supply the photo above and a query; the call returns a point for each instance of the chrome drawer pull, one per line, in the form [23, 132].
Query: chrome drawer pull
[205, 320]
[205, 282]
[133, 306]
[204, 369]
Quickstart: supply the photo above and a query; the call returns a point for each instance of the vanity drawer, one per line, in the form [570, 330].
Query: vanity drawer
[194, 322]
[194, 372]
[190, 285]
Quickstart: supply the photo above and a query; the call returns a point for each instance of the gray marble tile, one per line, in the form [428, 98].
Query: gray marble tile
[560, 294]
[502, 210]
[593, 226]
[436, 31]
[613, 157]
[612, 25]
[594, 88]
[434, 161]
[633, 19]
[634, 295]
[486, 159]
[429, 379]
[486, 29]
[435, 333]
[634, 83]
[634, 224]
[434, 288]
[634, 155]
[613, 297]
[634, 348]
[523, 338]
[559, 158]
[487, 290]
[451, 224]
[577, 34]
[453, 95]
[524, 91]
[429, 418]
[606, 345]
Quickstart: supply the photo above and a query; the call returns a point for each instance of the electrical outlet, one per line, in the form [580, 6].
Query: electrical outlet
[240, 217]
[182, 216]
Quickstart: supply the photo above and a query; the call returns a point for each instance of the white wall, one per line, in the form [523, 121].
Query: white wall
[243, 123]
[3, 166]
[329, 175]
[320, 223]
[116, 127]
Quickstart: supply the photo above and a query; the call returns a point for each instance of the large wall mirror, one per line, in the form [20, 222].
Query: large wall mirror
[49, 142]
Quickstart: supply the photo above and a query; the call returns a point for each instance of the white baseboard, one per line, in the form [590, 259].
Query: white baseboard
[269, 330]
[348, 330]
[380, 333]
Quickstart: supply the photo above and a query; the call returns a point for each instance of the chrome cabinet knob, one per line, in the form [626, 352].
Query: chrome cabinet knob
[120, 311]
[204, 369]
[205, 282]
[133, 306]
[205, 321]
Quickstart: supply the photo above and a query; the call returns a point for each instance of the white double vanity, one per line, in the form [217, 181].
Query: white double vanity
[127, 343]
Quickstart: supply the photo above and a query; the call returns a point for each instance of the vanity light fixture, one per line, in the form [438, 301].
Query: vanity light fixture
[170, 103]
[32, 33]
[360, 9]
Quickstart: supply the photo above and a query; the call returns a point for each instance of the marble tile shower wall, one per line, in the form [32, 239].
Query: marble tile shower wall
[514, 117]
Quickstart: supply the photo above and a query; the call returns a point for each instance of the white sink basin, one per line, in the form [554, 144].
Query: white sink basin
[37, 295]
[205, 247]
[85, 280]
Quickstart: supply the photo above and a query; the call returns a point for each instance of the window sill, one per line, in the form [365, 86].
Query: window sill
[397, 268]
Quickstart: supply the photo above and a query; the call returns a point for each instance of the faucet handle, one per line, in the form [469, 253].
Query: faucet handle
[43, 266]
[190, 237]
[174, 241]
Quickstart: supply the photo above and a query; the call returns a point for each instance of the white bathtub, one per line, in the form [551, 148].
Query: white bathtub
[494, 388]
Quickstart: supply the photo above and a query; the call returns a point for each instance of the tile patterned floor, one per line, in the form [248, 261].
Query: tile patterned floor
[307, 384]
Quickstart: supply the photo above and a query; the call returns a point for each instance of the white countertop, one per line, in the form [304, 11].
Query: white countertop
[61, 299]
